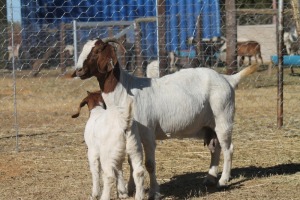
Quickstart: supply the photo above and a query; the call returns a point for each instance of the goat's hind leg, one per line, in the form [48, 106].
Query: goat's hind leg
[134, 150]
[224, 133]
[211, 139]
[149, 148]
[223, 130]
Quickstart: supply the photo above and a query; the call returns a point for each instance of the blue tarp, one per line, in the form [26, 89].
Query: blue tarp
[181, 17]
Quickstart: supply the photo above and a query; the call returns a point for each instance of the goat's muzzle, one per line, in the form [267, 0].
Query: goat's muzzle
[82, 74]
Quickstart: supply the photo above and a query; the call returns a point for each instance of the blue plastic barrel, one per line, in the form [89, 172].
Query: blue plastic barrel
[287, 60]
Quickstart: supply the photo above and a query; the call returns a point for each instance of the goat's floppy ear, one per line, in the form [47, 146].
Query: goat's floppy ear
[82, 103]
[112, 58]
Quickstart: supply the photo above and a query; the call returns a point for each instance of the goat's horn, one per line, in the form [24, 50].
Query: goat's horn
[114, 40]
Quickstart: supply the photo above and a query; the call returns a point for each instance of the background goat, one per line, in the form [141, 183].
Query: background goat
[106, 135]
[249, 49]
[182, 104]
[245, 48]
[290, 40]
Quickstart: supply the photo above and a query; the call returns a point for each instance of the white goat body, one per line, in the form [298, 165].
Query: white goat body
[152, 70]
[107, 137]
[181, 104]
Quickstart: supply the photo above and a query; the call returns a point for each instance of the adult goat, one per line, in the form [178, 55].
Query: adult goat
[244, 49]
[184, 104]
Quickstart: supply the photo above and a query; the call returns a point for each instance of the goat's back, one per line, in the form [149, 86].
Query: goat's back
[105, 136]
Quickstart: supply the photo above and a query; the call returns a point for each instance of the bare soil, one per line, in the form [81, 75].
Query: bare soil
[51, 161]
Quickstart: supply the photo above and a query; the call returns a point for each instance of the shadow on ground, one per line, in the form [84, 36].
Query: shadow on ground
[191, 185]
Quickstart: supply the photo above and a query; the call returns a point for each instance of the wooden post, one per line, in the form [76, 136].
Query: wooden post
[122, 53]
[138, 50]
[162, 49]
[231, 35]
[280, 65]
[199, 46]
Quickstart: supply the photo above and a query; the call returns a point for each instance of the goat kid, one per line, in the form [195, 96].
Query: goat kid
[107, 134]
[183, 104]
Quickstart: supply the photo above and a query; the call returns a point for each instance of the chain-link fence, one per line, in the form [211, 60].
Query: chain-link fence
[43, 38]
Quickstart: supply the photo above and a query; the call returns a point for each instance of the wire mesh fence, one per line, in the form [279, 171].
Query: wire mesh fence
[40, 41]
[42, 44]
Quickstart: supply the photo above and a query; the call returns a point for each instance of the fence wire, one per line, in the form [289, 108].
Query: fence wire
[40, 48]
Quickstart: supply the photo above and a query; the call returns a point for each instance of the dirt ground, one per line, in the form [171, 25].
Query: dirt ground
[51, 162]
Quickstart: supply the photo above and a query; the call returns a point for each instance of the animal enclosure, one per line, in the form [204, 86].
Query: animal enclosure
[43, 154]
[52, 161]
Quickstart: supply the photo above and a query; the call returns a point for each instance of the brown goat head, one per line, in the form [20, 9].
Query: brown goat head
[92, 100]
[96, 59]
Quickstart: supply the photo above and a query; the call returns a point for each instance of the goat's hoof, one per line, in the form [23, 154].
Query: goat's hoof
[154, 195]
[210, 180]
[123, 196]
[222, 184]
[93, 197]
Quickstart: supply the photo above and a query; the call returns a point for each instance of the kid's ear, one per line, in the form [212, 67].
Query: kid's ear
[82, 103]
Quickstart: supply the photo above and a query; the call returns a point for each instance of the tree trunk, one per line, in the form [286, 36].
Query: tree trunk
[161, 24]
[231, 35]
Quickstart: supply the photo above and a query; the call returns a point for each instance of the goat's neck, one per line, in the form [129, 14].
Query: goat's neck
[118, 84]
[113, 92]
[109, 81]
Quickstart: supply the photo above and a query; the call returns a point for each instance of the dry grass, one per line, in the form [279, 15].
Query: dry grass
[52, 163]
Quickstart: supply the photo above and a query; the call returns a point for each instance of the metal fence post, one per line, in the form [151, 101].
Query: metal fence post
[75, 42]
[16, 125]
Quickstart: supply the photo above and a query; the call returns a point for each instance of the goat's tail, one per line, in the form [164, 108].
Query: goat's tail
[236, 78]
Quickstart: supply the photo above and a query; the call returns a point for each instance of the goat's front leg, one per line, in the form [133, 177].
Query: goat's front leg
[94, 168]
[121, 186]
[241, 61]
[131, 185]
[149, 148]
[135, 152]
[109, 178]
